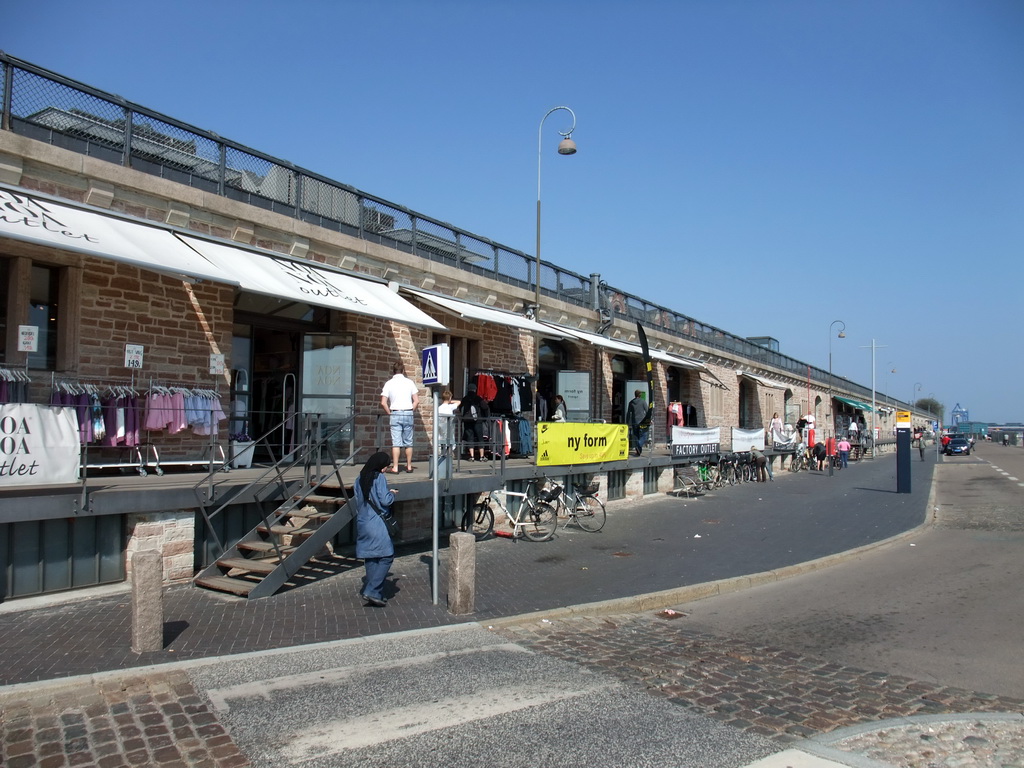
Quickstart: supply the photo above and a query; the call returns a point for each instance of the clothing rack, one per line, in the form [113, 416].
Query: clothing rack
[213, 455]
[14, 384]
[136, 456]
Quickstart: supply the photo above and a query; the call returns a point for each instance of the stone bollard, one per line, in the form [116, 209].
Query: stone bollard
[462, 573]
[147, 601]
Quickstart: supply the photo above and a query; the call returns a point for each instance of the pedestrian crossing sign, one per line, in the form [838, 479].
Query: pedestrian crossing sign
[435, 365]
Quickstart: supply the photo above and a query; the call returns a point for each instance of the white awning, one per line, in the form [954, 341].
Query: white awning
[40, 221]
[625, 346]
[478, 312]
[761, 380]
[310, 283]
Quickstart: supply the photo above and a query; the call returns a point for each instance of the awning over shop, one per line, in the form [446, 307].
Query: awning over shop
[762, 380]
[855, 403]
[479, 313]
[40, 221]
[310, 283]
[623, 346]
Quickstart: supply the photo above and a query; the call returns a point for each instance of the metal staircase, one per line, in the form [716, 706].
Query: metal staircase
[272, 553]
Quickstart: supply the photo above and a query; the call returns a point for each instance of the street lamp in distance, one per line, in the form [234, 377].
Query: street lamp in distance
[565, 147]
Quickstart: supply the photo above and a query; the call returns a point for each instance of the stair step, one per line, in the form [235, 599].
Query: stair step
[285, 530]
[248, 564]
[260, 545]
[315, 514]
[227, 584]
[320, 499]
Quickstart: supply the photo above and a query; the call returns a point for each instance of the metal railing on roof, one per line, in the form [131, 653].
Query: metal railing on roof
[62, 112]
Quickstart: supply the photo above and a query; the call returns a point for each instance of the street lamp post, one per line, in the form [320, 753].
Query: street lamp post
[831, 409]
[565, 147]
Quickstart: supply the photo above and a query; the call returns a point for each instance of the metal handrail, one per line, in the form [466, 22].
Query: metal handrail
[85, 119]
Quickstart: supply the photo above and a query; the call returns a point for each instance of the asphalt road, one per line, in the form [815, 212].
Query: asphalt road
[944, 606]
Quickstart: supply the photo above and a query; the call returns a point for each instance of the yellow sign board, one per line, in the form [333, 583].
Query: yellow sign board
[903, 418]
[581, 443]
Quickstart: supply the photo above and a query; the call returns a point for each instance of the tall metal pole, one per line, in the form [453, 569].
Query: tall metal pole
[874, 406]
[831, 409]
[566, 147]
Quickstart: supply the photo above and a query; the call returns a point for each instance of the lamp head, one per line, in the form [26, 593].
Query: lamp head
[842, 335]
[567, 146]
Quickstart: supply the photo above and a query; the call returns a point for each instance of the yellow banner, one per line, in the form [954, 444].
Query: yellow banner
[581, 443]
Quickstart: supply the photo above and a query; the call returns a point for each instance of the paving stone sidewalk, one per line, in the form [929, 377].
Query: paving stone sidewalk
[787, 696]
[153, 719]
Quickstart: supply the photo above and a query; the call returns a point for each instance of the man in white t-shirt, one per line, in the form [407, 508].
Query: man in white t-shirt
[399, 399]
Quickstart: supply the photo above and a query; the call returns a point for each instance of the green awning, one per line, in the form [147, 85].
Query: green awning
[855, 403]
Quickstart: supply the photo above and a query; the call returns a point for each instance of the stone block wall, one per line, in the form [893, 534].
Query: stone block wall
[172, 534]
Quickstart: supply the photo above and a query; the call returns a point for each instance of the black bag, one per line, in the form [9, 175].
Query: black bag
[390, 521]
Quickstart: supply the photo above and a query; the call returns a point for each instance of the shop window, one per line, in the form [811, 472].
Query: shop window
[5, 280]
[43, 296]
[43, 314]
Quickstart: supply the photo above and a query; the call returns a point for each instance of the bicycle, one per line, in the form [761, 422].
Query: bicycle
[799, 461]
[709, 474]
[747, 470]
[535, 516]
[730, 470]
[583, 506]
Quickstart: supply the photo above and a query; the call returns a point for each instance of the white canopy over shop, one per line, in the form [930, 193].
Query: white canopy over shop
[624, 346]
[304, 281]
[762, 380]
[480, 313]
[34, 219]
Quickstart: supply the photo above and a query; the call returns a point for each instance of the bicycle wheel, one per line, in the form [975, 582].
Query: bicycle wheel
[540, 522]
[590, 514]
[479, 521]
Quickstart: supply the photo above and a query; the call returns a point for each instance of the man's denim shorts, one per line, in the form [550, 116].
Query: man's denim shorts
[401, 429]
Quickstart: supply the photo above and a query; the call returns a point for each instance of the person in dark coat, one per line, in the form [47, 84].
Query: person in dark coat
[820, 454]
[474, 411]
[373, 499]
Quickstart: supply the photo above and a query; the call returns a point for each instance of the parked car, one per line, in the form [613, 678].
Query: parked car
[958, 446]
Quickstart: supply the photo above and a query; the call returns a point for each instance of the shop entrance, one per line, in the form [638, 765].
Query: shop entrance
[283, 367]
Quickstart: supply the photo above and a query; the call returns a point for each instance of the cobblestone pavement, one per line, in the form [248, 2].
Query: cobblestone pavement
[776, 693]
[155, 719]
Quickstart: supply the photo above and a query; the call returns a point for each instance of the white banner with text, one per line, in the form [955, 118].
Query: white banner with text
[38, 445]
[691, 441]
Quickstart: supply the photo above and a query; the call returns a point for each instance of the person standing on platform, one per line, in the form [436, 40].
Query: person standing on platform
[636, 412]
[399, 399]
[474, 411]
[559, 412]
[920, 445]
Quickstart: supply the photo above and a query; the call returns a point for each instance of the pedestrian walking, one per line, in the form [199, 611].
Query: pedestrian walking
[920, 445]
[843, 446]
[399, 398]
[373, 500]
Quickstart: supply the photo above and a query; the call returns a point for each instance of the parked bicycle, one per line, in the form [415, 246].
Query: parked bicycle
[583, 507]
[534, 516]
[709, 474]
[729, 469]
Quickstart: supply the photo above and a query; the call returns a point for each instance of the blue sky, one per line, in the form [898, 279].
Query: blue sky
[765, 167]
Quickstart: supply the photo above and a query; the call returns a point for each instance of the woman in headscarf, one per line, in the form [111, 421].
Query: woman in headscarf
[373, 499]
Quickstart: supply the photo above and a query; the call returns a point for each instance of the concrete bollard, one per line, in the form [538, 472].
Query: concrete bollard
[147, 601]
[462, 573]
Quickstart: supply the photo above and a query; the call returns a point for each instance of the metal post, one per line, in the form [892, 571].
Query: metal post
[436, 491]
